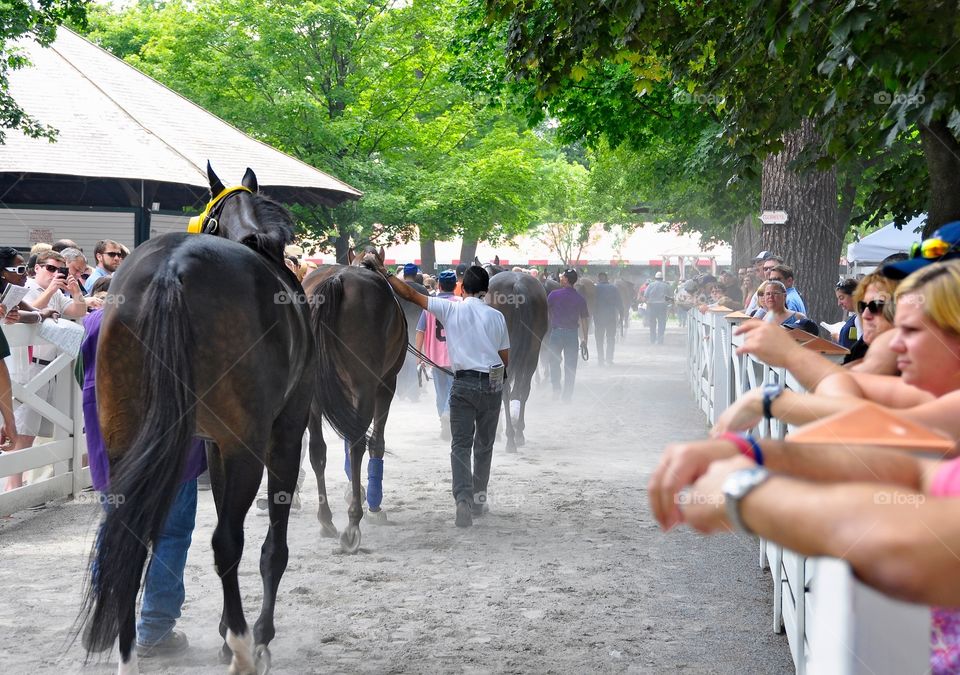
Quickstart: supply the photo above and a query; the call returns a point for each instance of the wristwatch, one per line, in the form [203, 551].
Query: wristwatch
[770, 393]
[738, 485]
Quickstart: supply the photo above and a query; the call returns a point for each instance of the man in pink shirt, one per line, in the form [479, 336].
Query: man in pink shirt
[432, 341]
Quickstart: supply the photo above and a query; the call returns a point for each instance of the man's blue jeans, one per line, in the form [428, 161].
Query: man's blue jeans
[658, 320]
[474, 414]
[163, 591]
[564, 342]
[441, 384]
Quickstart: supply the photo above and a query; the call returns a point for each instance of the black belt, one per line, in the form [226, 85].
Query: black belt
[473, 373]
[42, 362]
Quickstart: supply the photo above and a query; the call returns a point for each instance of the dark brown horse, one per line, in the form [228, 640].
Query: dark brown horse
[361, 338]
[628, 293]
[202, 344]
[523, 303]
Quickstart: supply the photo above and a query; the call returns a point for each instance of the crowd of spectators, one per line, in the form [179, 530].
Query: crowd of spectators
[890, 513]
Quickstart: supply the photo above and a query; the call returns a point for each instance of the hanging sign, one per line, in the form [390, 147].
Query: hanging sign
[773, 217]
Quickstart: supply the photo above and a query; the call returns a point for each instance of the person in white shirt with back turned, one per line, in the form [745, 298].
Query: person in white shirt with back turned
[479, 347]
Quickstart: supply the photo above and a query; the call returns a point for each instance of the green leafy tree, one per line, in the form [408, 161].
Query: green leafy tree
[20, 20]
[359, 89]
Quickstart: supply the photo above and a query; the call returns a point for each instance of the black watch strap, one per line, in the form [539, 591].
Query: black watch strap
[770, 393]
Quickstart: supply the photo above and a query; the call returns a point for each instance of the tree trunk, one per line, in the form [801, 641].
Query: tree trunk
[745, 242]
[428, 256]
[942, 154]
[468, 251]
[811, 240]
[343, 245]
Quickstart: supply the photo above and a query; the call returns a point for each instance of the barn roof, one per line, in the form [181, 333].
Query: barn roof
[118, 127]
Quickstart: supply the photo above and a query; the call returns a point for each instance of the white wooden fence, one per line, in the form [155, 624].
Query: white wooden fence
[58, 462]
[834, 623]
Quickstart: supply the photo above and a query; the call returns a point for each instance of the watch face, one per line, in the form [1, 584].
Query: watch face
[737, 486]
[743, 481]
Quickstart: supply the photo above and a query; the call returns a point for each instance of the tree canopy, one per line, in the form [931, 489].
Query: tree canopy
[362, 89]
[20, 20]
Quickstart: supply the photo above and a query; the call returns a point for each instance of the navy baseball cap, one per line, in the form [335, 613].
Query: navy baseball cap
[943, 244]
[447, 275]
[410, 269]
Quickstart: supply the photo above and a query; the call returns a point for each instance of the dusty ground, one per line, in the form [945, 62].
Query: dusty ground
[568, 573]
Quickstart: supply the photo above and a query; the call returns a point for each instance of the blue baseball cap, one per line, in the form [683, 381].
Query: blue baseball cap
[447, 275]
[410, 270]
[943, 244]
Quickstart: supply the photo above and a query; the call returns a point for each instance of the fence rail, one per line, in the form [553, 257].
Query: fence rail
[57, 462]
[834, 623]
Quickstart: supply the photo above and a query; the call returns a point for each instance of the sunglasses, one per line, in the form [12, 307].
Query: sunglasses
[875, 306]
[53, 269]
[19, 269]
[931, 249]
[114, 254]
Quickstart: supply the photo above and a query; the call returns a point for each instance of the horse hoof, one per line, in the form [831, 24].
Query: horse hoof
[378, 517]
[350, 539]
[328, 530]
[519, 440]
[226, 655]
[262, 658]
[511, 449]
[348, 495]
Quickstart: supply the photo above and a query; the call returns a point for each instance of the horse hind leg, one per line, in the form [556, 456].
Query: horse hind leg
[377, 449]
[508, 420]
[283, 472]
[318, 459]
[350, 538]
[241, 481]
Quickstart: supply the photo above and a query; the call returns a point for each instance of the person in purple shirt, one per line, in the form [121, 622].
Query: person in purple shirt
[568, 312]
[163, 590]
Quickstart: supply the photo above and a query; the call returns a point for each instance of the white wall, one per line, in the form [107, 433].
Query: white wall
[161, 223]
[19, 227]
[84, 227]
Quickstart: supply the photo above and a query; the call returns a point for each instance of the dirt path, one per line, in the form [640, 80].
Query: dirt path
[568, 573]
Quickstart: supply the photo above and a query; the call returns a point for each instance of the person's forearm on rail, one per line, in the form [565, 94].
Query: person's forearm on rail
[901, 542]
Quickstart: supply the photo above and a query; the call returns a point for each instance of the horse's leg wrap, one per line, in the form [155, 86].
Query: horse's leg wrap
[374, 482]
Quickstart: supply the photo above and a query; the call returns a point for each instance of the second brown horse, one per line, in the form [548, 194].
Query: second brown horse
[361, 338]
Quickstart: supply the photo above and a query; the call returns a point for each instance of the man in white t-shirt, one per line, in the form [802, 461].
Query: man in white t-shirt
[43, 291]
[479, 348]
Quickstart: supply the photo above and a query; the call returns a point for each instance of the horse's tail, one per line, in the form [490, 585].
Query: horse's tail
[145, 479]
[332, 390]
[522, 343]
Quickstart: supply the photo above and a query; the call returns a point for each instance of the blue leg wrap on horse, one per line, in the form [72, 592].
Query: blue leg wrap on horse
[374, 482]
[346, 458]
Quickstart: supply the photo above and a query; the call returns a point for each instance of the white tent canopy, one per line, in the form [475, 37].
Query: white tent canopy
[646, 245]
[886, 241]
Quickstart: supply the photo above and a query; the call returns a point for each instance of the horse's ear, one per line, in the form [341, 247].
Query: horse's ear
[382, 254]
[250, 180]
[476, 262]
[350, 256]
[216, 185]
[496, 260]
